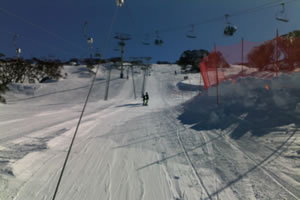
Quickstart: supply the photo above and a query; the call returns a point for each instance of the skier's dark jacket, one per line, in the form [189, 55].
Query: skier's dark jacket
[147, 96]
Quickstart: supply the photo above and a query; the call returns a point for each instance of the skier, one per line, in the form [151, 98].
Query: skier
[146, 99]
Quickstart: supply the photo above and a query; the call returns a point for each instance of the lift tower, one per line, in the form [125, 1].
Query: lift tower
[122, 38]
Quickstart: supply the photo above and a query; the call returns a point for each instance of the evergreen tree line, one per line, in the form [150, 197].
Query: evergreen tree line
[24, 71]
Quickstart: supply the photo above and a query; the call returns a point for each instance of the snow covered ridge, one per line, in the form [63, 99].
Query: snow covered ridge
[258, 104]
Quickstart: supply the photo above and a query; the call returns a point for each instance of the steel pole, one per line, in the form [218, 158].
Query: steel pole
[107, 85]
[133, 82]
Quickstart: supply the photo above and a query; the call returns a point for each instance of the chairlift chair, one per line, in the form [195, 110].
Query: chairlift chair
[191, 34]
[119, 3]
[122, 36]
[281, 14]
[90, 40]
[146, 41]
[158, 41]
[230, 29]
[18, 50]
[121, 43]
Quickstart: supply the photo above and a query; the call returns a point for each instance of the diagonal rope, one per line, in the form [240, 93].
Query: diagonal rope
[79, 121]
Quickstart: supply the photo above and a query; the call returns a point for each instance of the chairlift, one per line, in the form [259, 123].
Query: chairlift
[119, 3]
[90, 40]
[18, 51]
[146, 41]
[281, 14]
[84, 27]
[158, 41]
[15, 40]
[121, 43]
[230, 29]
[191, 34]
[122, 36]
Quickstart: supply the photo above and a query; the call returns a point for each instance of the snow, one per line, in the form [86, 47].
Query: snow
[181, 146]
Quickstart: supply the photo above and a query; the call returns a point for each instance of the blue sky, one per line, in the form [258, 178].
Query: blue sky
[54, 28]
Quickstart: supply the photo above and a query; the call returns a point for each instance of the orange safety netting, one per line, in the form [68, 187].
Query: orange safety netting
[261, 60]
[210, 71]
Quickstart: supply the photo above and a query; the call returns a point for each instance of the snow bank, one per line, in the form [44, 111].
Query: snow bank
[74, 78]
[188, 87]
[258, 105]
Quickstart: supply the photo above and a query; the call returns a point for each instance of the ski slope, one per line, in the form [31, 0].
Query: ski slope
[181, 146]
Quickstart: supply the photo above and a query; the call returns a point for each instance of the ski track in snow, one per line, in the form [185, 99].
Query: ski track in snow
[10, 121]
[260, 165]
[198, 177]
[127, 151]
[272, 175]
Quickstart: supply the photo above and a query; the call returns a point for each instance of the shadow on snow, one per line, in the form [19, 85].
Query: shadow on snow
[255, 109]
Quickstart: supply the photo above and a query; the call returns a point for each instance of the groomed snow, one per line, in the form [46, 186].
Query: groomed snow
[181, 146]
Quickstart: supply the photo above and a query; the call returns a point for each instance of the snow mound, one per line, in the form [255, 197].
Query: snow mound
[258, 106]
[74, 79]
[24, 88]
[187, 87]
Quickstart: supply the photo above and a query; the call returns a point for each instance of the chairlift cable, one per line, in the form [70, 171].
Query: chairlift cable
[74, 136]
[84, 27]
[39, 27]
[253, 10]
[135, 26]
[80, 118]
[38, 42]
[15, 37]
[268, 5]
[107, 39]
[257, 8]
[130, 16]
